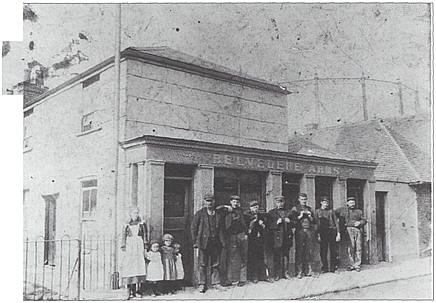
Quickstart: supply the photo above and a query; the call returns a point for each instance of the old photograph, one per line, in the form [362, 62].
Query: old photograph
[225, 151]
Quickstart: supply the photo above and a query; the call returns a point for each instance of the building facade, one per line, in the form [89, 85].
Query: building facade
[187, 127]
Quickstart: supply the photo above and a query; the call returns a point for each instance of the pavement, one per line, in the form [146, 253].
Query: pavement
[310, 287]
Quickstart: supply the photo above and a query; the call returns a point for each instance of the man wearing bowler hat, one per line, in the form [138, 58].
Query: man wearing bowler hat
[354, 222]
[281, 224]
[235, 232]
[207, 236]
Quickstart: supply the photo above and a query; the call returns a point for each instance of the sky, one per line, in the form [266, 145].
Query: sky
[278, 42]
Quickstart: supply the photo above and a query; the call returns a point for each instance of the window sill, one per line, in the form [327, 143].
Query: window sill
[88, 132]
[27, 149]
[88, 219]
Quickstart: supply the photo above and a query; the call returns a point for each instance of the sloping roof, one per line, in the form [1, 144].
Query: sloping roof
[167, 57]
[302, 146]
[398, 158]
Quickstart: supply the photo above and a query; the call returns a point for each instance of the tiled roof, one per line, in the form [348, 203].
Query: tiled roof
[302, 146]
[399, 159]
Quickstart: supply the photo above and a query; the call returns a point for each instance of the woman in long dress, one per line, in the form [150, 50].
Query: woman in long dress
[134, 243]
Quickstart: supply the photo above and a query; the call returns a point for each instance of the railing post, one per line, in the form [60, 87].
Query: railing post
[79, 263]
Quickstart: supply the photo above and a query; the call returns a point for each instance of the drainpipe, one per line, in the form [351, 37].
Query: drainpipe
[115, 275]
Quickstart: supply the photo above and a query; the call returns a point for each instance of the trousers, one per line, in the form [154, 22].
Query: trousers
[304, 247]
[328, 243]
[355, 247]
[281, 261]
[209, 257]
[256, 268]
[237, 247]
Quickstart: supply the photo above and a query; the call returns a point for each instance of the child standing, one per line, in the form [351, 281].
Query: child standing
[169, 261]
[155, 270]
[180, 273]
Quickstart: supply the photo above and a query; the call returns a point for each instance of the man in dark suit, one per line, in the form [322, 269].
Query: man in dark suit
[207, 236]
[257, 229]
[281, 224]
[235, 232]
[304, 235]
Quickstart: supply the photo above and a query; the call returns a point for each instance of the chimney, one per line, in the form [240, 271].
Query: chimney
[31, 87]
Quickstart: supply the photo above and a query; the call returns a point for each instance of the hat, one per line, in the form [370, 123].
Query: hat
[325, 198]
[279, 198]
[154, 242]
[208, 197]
[254, 203]
[302, 195]
[351, 198]
[167, 237]
[235, 197]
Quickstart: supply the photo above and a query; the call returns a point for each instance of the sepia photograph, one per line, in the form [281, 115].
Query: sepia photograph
[225, 151]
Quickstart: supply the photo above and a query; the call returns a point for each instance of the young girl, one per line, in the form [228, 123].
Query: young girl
[134, 240]
[180, 273]
[169, 262]
[155, 270]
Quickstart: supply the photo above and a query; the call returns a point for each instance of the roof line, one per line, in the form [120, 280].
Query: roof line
[417, 175]
[132, 53]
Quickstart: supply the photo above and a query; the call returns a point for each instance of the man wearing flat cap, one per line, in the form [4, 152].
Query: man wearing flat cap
[354, 222]
[256, 268]
[281, 224]
[235, 232]
[207, 236]
[304, 236]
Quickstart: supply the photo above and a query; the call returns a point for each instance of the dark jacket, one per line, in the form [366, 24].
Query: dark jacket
[326, 219]
[282, 232]
[235, 216]
[256, 232]
[200, 230]
[142, 232]
[307, 222]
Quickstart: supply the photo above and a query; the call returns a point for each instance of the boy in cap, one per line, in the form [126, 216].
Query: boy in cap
[303, 236]
[207, 236]
[281, 225]
[354, 222]
[328, 234]
[256, 269]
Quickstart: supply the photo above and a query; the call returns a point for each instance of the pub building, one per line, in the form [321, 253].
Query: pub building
[187, 127]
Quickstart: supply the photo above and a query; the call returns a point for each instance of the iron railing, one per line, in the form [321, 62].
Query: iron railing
[63, 269]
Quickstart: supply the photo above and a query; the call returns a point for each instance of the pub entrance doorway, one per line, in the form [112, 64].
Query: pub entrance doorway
[291, 189]
[178, 212]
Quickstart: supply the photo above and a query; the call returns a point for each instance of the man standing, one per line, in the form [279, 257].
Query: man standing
[235, 227]
[208, 238]
[304, 236]
[281, 225]
[328, 234]
[256, 268]
[354, 222]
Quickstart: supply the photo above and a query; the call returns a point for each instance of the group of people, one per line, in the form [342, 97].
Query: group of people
[153, 266]
[232, 246]
[237, 245]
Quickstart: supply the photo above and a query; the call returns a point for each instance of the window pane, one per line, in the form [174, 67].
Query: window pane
[93, 199]
[85, 200]
[90, 183]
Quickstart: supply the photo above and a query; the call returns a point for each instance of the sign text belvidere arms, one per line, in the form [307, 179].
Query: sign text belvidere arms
[272, 164]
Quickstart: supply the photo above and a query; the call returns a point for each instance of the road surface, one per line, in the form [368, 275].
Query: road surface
[415, 288]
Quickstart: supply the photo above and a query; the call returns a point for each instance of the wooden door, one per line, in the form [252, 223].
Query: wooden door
[178, 216]
[380, 200]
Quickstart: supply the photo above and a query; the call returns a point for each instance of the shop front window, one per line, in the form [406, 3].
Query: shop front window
[249, 185]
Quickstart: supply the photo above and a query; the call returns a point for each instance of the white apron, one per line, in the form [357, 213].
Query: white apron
[133, 264]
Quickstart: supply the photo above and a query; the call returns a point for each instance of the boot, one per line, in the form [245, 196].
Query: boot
[309, 270]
